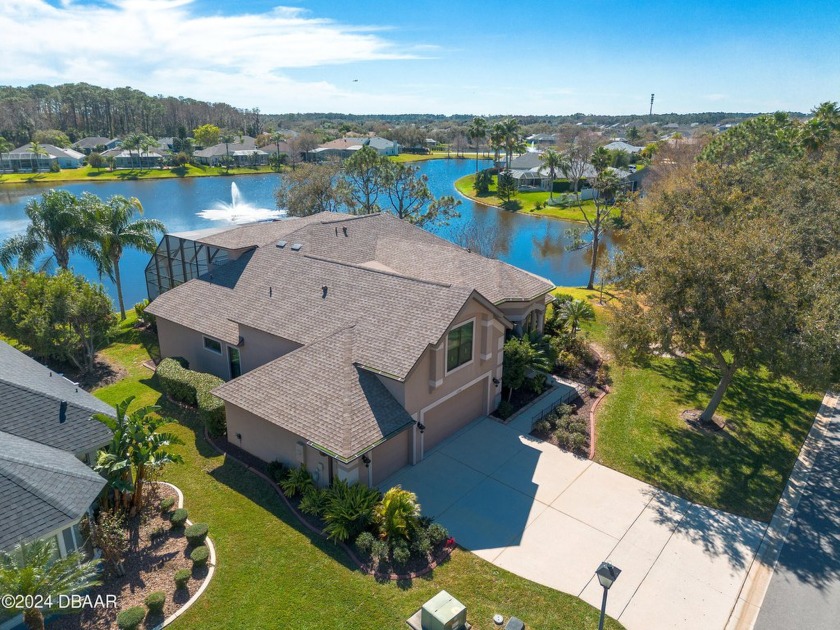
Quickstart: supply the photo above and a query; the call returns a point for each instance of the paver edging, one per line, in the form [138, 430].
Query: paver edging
[447, 550]
[210, 570]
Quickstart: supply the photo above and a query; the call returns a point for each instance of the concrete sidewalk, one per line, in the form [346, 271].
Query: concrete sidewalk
[551, 517]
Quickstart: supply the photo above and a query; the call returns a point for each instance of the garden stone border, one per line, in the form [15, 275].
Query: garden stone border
[211, 566]
[447, 550]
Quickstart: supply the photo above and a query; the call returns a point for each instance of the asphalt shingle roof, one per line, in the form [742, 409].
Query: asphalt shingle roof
[41, 489]
[320, 394]
[30, 397]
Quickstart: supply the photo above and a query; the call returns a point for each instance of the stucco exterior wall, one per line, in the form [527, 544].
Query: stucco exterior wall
[262, 438]
[260, 348]
[178, 341]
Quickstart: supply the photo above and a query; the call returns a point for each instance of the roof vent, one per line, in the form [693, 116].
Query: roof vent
[296, 247]
[324, 289]
[62, 412]
[345, 230]
[281, 244]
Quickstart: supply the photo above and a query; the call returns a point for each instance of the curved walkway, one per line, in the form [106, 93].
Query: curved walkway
[551, 517]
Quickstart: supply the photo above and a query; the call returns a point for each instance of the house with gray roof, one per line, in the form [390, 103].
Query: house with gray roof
[350, 344]
[24, 159]
[242, 152]
[620, 145]
[125, 158]
[48, 439]
[343, 148]
[96, 143]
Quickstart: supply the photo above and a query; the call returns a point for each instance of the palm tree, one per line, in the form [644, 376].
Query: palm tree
[397, 514]
[146, 144]
[130, 142]
[600, 159]
[114, 224]
[55, 223]
[553, 161]
[575, 312]
[512, 139]
[477, 131]
[30, 574]
[37, 151]
[227, 138]
[497, 139]
[136, 449]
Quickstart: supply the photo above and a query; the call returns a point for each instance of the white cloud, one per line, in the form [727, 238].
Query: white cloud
[167, 47]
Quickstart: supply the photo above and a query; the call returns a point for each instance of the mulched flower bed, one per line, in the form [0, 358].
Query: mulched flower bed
[578, 423]
[149, 566]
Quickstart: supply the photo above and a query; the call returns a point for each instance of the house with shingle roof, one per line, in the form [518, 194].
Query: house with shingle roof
[343, 148]
[350, 344]
[48, 438]
[96, 143]
[25, 159]
[243, 152]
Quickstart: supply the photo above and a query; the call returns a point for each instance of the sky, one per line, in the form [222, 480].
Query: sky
[480, 57]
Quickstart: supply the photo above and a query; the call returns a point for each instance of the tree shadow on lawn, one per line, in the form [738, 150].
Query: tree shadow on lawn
[743, 468]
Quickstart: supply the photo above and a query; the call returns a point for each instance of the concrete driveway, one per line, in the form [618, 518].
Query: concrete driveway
[551, 517]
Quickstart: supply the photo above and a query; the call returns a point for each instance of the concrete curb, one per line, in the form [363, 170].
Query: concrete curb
[592, 432]
[745, 611]
[210, 570]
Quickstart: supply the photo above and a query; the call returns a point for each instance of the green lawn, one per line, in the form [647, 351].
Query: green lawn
[273, 573]
[741, 470]
[523, 202]
[87, 174]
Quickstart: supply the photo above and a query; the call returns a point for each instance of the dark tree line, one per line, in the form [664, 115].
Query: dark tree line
[81, 109]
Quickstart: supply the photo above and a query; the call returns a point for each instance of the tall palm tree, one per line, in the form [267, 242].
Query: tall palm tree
[115, 227]
[276, 137]
[146, 144]
[227, 138]
[513, 139]
[553, 161]
[132, 141]
[477, 132]
[497, 139]
[55, 223]
[575, 312]
[30, 574]
[600, 159]
[37, 151]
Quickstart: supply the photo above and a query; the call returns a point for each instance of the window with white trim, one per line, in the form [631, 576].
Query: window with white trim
[212, 345]
[459, 346]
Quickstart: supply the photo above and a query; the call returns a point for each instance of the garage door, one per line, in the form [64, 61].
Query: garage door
[390, 456]
[453, 414]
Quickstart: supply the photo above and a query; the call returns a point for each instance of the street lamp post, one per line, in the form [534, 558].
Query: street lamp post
[607, 574]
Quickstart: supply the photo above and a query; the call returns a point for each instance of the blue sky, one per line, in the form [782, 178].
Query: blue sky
[460, 56]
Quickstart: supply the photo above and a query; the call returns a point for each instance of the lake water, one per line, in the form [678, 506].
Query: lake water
[531, 242]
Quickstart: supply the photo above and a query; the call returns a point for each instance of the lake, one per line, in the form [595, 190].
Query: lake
[534, 243]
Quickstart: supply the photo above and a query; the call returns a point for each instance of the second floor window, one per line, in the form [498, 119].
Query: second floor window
[459, 346]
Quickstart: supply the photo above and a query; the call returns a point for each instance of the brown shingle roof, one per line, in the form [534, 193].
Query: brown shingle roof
[320, 394]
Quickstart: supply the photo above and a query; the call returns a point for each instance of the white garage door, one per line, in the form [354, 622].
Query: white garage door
[453, 414]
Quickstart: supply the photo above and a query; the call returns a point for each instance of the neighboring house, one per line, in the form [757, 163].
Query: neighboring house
[528, 172]
[353, 344]
[47, 436]
[243, 152]
[123, 158]
[23, 159]
[622, 146]
[96, 143]
[343, 148]
[542, 138]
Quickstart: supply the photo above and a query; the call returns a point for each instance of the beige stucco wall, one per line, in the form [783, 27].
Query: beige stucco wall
[516, 312]
[260, 347]
[262, 438]
[178, 341]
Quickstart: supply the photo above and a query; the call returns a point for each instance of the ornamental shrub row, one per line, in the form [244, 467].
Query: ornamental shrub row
[193, 388]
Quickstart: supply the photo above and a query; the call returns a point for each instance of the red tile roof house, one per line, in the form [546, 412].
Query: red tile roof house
[353, 344]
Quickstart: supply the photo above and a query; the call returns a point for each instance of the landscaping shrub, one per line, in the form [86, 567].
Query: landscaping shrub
[397, 514]
[543, 426]
[578, 442]
[131, 618]
[349, 510]
[504, 410]
[155, 602]
[54, 167]
[421, 546]
[277, 470]
[167, 504]
[400, 553]
[379, 550]
[602, 375]
[313, 502]
[196, 533]
[364, 542]
[200, 556]
[182, 576]
[143, 316]
[178, 518]
[437, 533]
[593, 392]
[297, 481]
[211, 409]
[182, 384]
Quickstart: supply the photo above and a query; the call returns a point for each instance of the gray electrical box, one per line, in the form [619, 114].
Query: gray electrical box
[443, 612]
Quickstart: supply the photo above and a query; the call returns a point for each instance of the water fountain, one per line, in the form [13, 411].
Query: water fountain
[239, 211]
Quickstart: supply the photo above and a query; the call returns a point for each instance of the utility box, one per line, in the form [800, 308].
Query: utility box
[443, 612]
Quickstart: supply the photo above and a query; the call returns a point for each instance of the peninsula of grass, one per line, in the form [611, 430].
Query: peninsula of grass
[523, 202]
[273, 572]
[90, 174]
